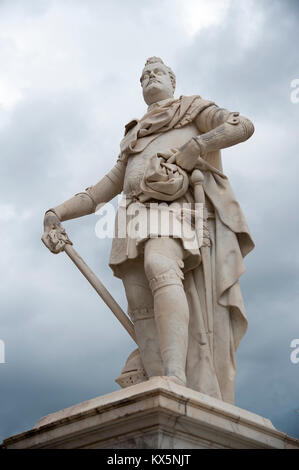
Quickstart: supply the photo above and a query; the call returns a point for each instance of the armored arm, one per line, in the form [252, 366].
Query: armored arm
[219, 129]
[87, 202]
[54, 236]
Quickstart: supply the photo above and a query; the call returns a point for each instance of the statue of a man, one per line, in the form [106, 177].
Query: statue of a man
[169, 286]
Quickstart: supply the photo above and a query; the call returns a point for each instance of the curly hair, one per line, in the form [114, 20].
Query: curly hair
[155, 60]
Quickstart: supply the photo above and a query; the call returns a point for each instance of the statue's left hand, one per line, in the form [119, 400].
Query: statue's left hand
[187, 155]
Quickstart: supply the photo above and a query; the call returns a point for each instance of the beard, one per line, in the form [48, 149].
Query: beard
[156, 91]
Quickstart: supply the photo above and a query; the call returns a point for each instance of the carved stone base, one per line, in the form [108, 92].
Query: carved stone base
[156, 414]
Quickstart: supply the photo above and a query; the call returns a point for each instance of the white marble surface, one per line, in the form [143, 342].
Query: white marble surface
[156, 414]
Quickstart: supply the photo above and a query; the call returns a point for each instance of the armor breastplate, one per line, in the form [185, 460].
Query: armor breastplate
[137, 162]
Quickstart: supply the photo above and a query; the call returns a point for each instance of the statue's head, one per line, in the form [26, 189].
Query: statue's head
[157, 81]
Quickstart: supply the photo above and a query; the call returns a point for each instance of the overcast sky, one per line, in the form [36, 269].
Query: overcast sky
[69, 81]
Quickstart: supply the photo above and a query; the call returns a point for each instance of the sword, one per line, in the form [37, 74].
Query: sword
[197, 179]
[59, 235]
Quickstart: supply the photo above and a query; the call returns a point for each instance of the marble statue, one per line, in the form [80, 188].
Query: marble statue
[184, 299]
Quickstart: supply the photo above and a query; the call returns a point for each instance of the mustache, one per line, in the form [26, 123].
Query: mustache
[152, 80]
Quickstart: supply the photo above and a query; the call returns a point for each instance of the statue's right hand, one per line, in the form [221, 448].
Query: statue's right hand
[54, 236]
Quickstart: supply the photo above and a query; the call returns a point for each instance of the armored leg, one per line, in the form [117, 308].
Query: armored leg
[163, 260]
[141, 311]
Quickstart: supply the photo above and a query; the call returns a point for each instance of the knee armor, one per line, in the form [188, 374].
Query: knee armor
[163, 271]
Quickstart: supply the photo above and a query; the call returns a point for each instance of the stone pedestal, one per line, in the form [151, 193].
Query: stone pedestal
[157, 414]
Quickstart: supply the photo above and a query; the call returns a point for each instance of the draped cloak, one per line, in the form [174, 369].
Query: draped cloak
[210, 372]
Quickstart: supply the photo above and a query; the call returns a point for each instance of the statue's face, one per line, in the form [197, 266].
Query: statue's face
[156, 83]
